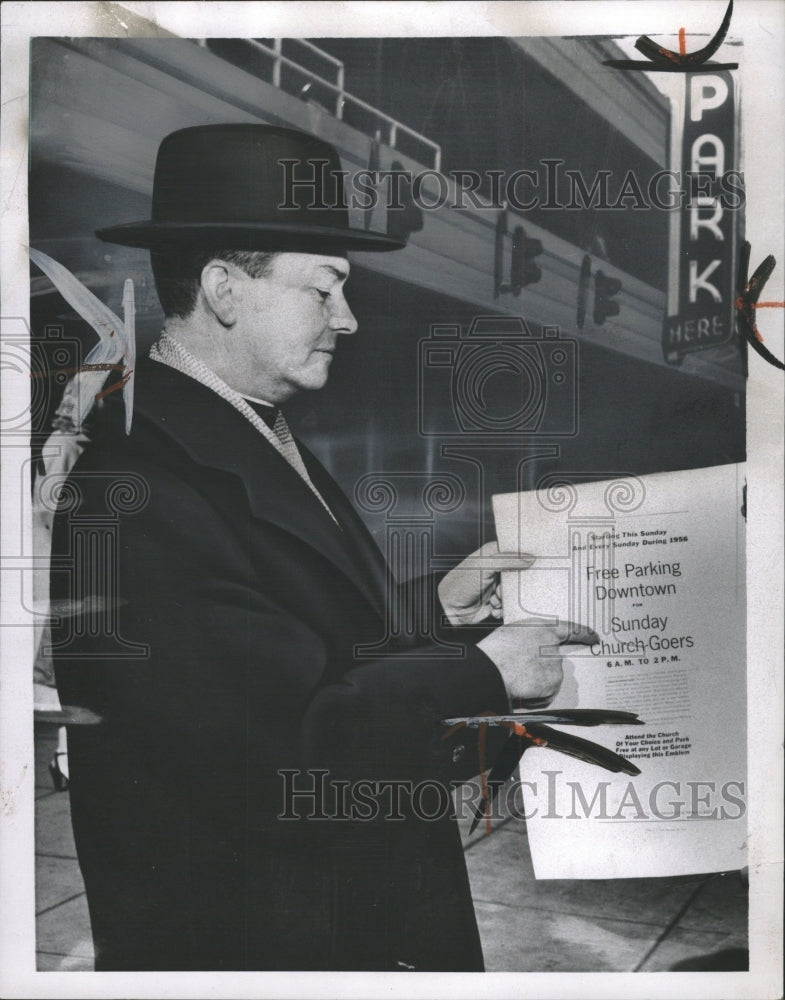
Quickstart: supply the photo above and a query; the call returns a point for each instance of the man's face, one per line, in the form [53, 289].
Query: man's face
[288, 324]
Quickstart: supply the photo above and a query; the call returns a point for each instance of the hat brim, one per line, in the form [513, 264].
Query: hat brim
[152, 235]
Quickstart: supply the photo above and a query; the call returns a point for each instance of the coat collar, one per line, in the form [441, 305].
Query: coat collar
[213, 433]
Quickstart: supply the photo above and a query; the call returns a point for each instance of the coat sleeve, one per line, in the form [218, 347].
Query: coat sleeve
[225, 664]
[384, 719]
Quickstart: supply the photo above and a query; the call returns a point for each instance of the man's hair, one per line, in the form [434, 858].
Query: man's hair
[177, 273]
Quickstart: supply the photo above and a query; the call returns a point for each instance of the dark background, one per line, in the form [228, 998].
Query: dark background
[490, 108]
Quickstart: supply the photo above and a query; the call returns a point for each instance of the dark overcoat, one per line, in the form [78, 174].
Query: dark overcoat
[217, 615]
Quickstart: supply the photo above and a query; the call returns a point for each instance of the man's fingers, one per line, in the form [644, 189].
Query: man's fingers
[572, 632]
[563, 632]
[498, 561]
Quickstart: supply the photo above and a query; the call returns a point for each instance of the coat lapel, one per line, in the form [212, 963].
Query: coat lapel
[214, 434]
[365, 550]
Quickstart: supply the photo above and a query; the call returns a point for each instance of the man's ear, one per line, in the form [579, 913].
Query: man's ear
[217, 285]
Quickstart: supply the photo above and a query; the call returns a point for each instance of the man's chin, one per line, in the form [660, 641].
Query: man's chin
[313, 380]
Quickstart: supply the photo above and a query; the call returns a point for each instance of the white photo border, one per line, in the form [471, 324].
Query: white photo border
[760, 24]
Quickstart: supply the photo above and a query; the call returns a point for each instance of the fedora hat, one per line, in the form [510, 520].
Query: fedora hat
[254, 187]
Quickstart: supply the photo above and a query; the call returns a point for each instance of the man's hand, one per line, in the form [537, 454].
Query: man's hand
[527, 656]
[469, 593]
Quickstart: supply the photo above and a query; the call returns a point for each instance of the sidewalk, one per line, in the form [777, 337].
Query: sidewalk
[63, 939]
[617, 925]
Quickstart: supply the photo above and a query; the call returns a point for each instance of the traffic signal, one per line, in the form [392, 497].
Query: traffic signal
[604, 290]
[402, 222]
[523, 268]
[583, 290]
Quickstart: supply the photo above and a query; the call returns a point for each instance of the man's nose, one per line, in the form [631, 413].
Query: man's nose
[342, 319]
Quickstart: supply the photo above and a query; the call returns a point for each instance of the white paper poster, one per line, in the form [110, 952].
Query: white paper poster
[655, 565]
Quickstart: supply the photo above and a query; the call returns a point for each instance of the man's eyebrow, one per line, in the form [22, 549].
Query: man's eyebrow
[341, 275]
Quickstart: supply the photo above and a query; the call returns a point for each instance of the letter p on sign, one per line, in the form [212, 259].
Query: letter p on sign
[706, 93]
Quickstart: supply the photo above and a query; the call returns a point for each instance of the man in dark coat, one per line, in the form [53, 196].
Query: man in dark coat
[254, 791]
